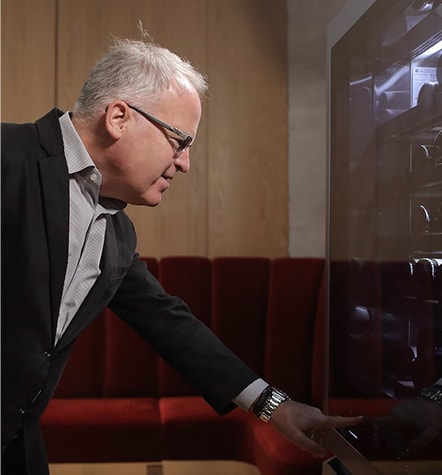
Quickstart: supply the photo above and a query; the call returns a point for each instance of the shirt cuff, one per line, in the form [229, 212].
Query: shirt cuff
[248, 396]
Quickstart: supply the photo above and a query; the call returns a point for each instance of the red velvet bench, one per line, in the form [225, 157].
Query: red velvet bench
[118, 401]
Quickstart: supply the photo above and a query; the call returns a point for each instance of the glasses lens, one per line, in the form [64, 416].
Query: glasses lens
[184, 143]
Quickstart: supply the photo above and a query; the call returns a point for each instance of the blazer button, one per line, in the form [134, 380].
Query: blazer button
[47, 354]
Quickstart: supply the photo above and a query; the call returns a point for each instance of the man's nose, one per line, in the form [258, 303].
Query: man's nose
[182, 161]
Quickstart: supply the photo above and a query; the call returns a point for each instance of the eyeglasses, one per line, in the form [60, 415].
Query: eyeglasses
[186, 140]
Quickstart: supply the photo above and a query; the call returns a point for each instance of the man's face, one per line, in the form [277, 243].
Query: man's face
[141, 163]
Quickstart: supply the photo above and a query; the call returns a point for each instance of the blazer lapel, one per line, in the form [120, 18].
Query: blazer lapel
[55, 190]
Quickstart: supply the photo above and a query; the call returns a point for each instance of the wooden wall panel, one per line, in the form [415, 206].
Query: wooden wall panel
[28, 59]
[248, 128]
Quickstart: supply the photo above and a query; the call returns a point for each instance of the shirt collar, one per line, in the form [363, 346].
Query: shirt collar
[78, 159]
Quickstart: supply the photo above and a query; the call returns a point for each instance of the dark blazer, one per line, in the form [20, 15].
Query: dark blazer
[35, 224]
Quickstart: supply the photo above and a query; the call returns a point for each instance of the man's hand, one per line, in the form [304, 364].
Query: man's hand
[305, 425]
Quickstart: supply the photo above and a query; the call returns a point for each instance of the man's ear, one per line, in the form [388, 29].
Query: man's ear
[116, 118]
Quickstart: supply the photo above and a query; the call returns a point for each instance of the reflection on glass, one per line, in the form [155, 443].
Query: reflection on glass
[385, 231]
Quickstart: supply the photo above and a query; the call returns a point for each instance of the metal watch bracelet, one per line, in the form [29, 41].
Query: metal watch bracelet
[274, 399]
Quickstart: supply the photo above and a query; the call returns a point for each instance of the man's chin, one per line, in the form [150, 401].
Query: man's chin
[148, 199]
[152, 202]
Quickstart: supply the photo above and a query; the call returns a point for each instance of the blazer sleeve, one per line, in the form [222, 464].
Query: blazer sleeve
[190, 347]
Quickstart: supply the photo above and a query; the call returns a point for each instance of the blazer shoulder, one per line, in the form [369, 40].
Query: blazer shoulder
[28, 142]
[16, 137]
[25, 149]
[20, 147]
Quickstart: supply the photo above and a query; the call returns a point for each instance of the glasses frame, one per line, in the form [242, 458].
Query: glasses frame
[186, 141]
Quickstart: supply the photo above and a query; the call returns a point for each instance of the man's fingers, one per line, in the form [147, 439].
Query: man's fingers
[339, 421]
[312, 443]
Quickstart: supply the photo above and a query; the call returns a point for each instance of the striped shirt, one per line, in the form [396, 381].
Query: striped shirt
[87, 225]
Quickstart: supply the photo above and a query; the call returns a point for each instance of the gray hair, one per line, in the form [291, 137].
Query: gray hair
[136, 71]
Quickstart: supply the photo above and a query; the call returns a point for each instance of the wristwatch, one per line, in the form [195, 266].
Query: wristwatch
[268, 402]
[432, 393]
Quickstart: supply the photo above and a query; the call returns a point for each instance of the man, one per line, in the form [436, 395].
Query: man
[69, 248]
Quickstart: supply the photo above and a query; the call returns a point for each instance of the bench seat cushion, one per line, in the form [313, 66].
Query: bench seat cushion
[103, 430]
[192, 430]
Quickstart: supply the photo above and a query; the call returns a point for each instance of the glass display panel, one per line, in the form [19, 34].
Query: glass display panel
[385, 230]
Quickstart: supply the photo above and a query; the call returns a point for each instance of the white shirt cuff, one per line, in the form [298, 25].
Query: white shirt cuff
[247, 396]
